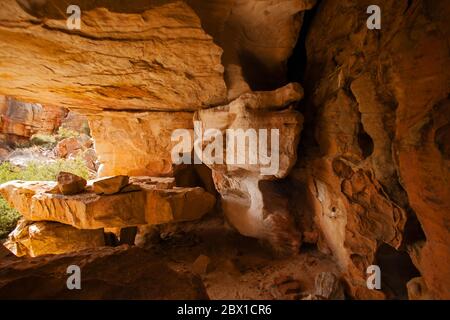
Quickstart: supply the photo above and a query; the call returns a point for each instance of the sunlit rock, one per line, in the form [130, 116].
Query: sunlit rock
[39, 238]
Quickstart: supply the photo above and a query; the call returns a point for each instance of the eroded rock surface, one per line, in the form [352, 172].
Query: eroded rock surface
[258, 37]
[134, 205]
[250, 201]
[19, 120]
[109, 185]
[103, 277]
[374, 158]
[137, 144]
[176, 205]
[39, 238]
[155, 58]
[70, 184]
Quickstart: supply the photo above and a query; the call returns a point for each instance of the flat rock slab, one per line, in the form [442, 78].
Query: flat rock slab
[83, 211]
[109, 185]
[106, 273]
[176, 205]
[148, 205]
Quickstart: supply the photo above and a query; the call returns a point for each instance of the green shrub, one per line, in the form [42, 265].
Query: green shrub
[39, 171]
[43, 140]
[64, 133]
[8, 218]
[48, 171]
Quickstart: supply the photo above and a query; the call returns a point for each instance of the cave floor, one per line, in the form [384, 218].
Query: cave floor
[241, 268]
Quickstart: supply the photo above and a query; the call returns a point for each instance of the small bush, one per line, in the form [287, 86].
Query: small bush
[38, 171]
[44, 140]
[64, 133]
[8, 218]
[48, 171]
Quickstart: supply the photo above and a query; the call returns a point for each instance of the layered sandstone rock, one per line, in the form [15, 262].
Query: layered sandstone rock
[137, 144]
[134, 205]
[83, 211]
[109, 185]
[155, 58]
[242, 174]
[76, 122]
[258, 37]
[70, 184]
[375, 156]
[176, 205]
[19, 120]
[39, 238]
[374, 164]
[106, 273]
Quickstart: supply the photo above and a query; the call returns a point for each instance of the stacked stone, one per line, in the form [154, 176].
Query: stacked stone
[72, 213]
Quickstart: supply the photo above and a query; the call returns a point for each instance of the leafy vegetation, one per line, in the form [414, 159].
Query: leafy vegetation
[64, 133]
[39, 171]
[43, 140]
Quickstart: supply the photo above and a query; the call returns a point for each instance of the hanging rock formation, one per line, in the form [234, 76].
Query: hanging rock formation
[255, 52]
[263, 134]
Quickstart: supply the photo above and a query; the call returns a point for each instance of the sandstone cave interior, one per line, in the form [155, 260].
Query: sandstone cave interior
[355, 93]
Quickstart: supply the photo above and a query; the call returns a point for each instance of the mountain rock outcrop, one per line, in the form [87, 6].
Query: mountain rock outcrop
[20, 120]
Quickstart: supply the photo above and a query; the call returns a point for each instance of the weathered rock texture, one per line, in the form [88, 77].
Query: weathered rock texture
[374, 157]
[250, 201]
[375, 149]
[39, 238]
[109, 185]
[70, 184]
[19, 120]
[158, 58]
[107, 273]
[258, 37]
[176, 205]
[136, 144]
[84, 210]
[76, 122]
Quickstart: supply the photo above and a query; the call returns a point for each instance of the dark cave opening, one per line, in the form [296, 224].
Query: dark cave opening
[396, 270]
[365, 142]
[298, 61]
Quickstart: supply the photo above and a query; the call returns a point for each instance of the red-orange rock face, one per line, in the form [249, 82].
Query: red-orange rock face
[19, 120]
[378, 112]
[370, 185]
